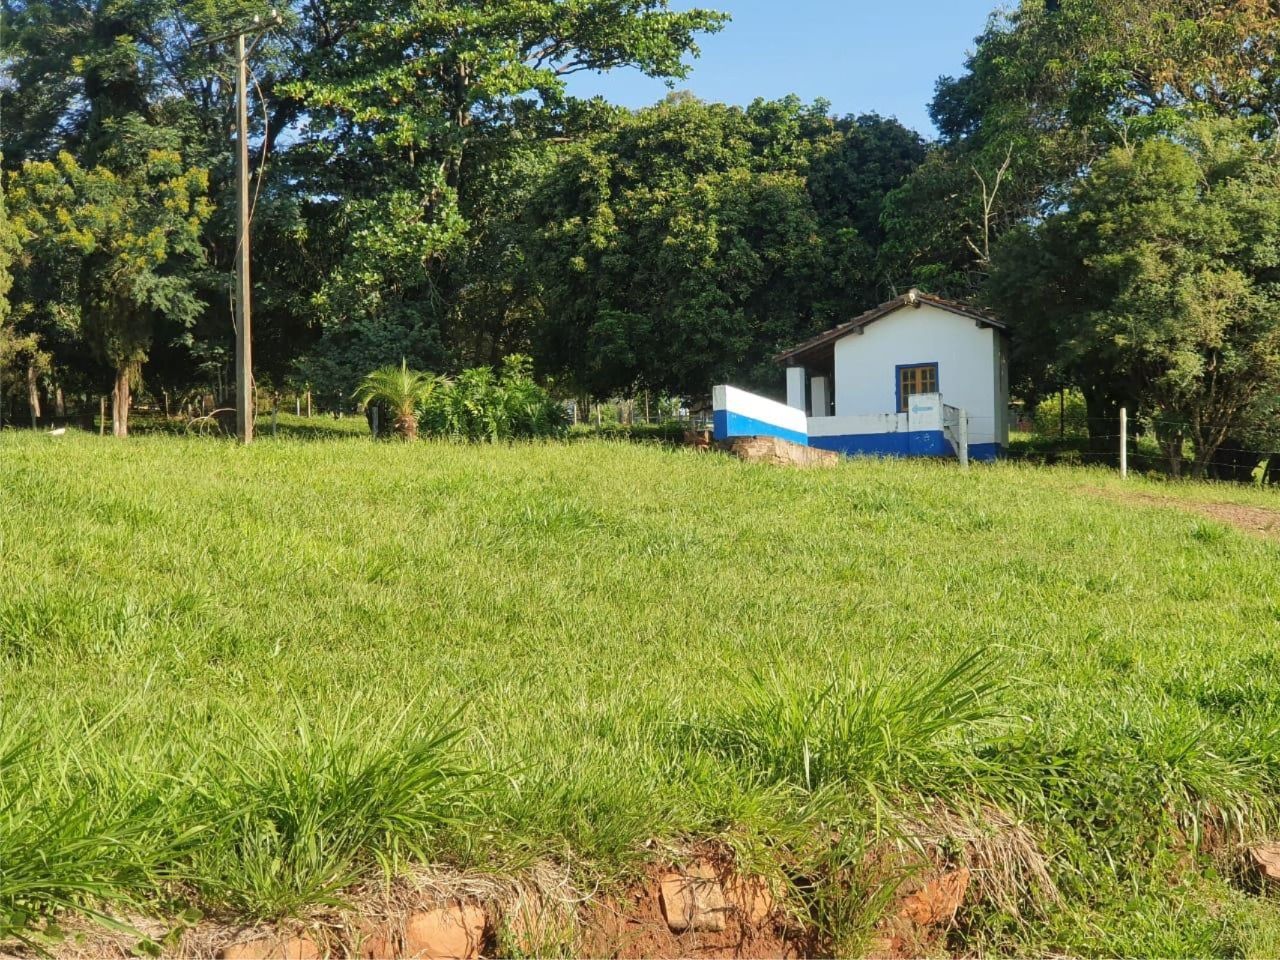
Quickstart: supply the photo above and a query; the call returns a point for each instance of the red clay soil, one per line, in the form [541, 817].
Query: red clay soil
[637, 926]
[634, 927]
[918, 922]
[1259, 521]
[702, 909]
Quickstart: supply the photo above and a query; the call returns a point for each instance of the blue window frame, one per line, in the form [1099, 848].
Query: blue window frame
[913, 378]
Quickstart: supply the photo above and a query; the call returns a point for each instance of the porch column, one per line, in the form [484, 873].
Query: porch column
[818, 396]
[795, 388]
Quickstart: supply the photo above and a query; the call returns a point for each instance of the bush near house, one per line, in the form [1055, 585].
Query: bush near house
[482, 405]
[1062, 416]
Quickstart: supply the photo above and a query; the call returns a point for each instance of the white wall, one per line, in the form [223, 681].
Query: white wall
[925, 413]
[968, 359]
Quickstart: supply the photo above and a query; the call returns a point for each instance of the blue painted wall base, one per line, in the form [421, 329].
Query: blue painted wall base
[906, 443]
[985, 451]
[727, 424]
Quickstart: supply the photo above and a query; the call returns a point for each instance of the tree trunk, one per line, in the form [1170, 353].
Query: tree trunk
[33, 395]
[1203, 458]
[120, 403]
[1172, 447]
[407, 426]
[59, 402]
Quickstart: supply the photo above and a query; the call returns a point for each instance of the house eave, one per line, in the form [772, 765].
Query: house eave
[818, 348]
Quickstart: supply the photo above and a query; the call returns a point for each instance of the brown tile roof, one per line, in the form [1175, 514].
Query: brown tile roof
[912, 298]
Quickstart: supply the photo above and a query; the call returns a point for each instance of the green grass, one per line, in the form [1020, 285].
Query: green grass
[241, 679]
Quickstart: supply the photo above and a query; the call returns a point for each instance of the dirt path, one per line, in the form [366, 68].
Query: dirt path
[1259, 521]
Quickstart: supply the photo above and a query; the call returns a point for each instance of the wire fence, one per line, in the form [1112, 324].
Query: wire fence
[1150, 442]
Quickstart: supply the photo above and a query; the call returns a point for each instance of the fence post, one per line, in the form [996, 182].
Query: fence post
[102, 416]
[963, 452]
[1124, 443]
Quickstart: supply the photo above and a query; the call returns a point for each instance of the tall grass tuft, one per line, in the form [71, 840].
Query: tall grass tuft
[69, 843]
[865, 733]
[303, 817]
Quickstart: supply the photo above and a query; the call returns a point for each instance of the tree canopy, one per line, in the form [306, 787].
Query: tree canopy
[1156, 285]
[1049, 95]
[691, 241]
[426, 189]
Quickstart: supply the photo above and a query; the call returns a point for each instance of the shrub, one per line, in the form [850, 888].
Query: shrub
[1067, 414]
[400, 391]
[669, 431]
[481, 406]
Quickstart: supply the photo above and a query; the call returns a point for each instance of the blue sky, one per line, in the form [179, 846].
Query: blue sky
[863, 55]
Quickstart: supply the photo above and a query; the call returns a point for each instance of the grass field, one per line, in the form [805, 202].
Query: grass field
[244, 678]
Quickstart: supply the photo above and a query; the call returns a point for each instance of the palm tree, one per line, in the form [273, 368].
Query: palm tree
[402, 391]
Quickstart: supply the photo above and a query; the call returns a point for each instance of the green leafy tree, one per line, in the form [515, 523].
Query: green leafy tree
[692, 241]
[8, 252]
[424, 114]
[13, 343]
[1157, 285]
[133, 234]
[78, 72]
[1051, 87]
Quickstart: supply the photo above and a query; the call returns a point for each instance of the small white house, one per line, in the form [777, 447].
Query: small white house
[894, 382]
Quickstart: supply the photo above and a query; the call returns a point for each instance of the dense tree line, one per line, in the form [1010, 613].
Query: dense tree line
[426, 190]
[391, 141]
[689, 242]
[1104, 180]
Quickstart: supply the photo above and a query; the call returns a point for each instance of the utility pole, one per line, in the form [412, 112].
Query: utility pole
[244, 295]
[244, 284]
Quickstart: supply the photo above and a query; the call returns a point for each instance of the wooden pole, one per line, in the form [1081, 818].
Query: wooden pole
[244, 308]
[1124, 443]
[102, 416]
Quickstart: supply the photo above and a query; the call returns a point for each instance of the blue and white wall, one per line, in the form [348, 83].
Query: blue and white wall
[972, 364]
[738, 413]
[916, 433]
[924, 430]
